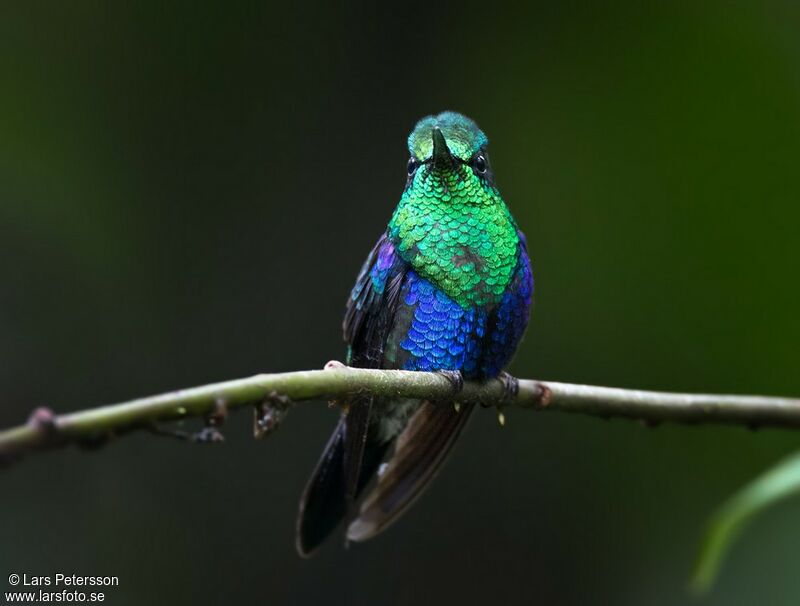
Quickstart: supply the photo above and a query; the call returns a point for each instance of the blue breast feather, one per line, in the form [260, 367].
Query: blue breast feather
[445, 336]
[425, 329]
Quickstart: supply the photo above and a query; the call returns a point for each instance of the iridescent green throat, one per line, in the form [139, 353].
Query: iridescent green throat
[455, 230]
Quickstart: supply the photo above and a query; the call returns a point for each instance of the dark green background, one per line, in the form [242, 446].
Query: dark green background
[187, 192]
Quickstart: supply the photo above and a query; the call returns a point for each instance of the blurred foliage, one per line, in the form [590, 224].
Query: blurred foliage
[187, 192]
[780, 482]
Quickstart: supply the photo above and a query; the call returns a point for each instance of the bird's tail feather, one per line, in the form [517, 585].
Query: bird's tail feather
[329, 491]
[419, 453]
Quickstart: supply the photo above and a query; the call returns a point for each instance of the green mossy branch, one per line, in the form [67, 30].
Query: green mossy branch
[272, 394]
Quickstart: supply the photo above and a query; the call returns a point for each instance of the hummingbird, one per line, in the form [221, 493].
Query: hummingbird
[447, 289]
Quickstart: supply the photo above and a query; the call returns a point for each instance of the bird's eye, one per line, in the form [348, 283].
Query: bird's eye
[412, 166]
[480, 164]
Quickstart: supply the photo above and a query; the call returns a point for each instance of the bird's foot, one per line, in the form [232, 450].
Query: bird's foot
[454, 377]
[510, 390]
[510, 386]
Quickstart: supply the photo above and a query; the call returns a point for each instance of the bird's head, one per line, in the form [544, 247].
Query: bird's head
[448, 149]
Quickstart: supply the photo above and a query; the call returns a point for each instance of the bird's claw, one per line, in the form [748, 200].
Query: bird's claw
[454, 377]
[510, 386]
[510, 391]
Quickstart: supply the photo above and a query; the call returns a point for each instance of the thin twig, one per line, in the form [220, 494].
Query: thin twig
[272, 393]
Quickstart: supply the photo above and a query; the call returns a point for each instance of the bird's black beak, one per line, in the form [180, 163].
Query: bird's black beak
[442, 159]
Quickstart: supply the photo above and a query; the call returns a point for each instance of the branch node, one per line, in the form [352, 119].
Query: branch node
[334, 365]
[543, 396]
[43, 419]
[214, 419]
[219, 412]
[269, 413]
[208, 435]
[45, 423]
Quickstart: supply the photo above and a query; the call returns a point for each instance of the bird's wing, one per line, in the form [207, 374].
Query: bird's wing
[368, 320]
[350, 459]
[372, 304]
